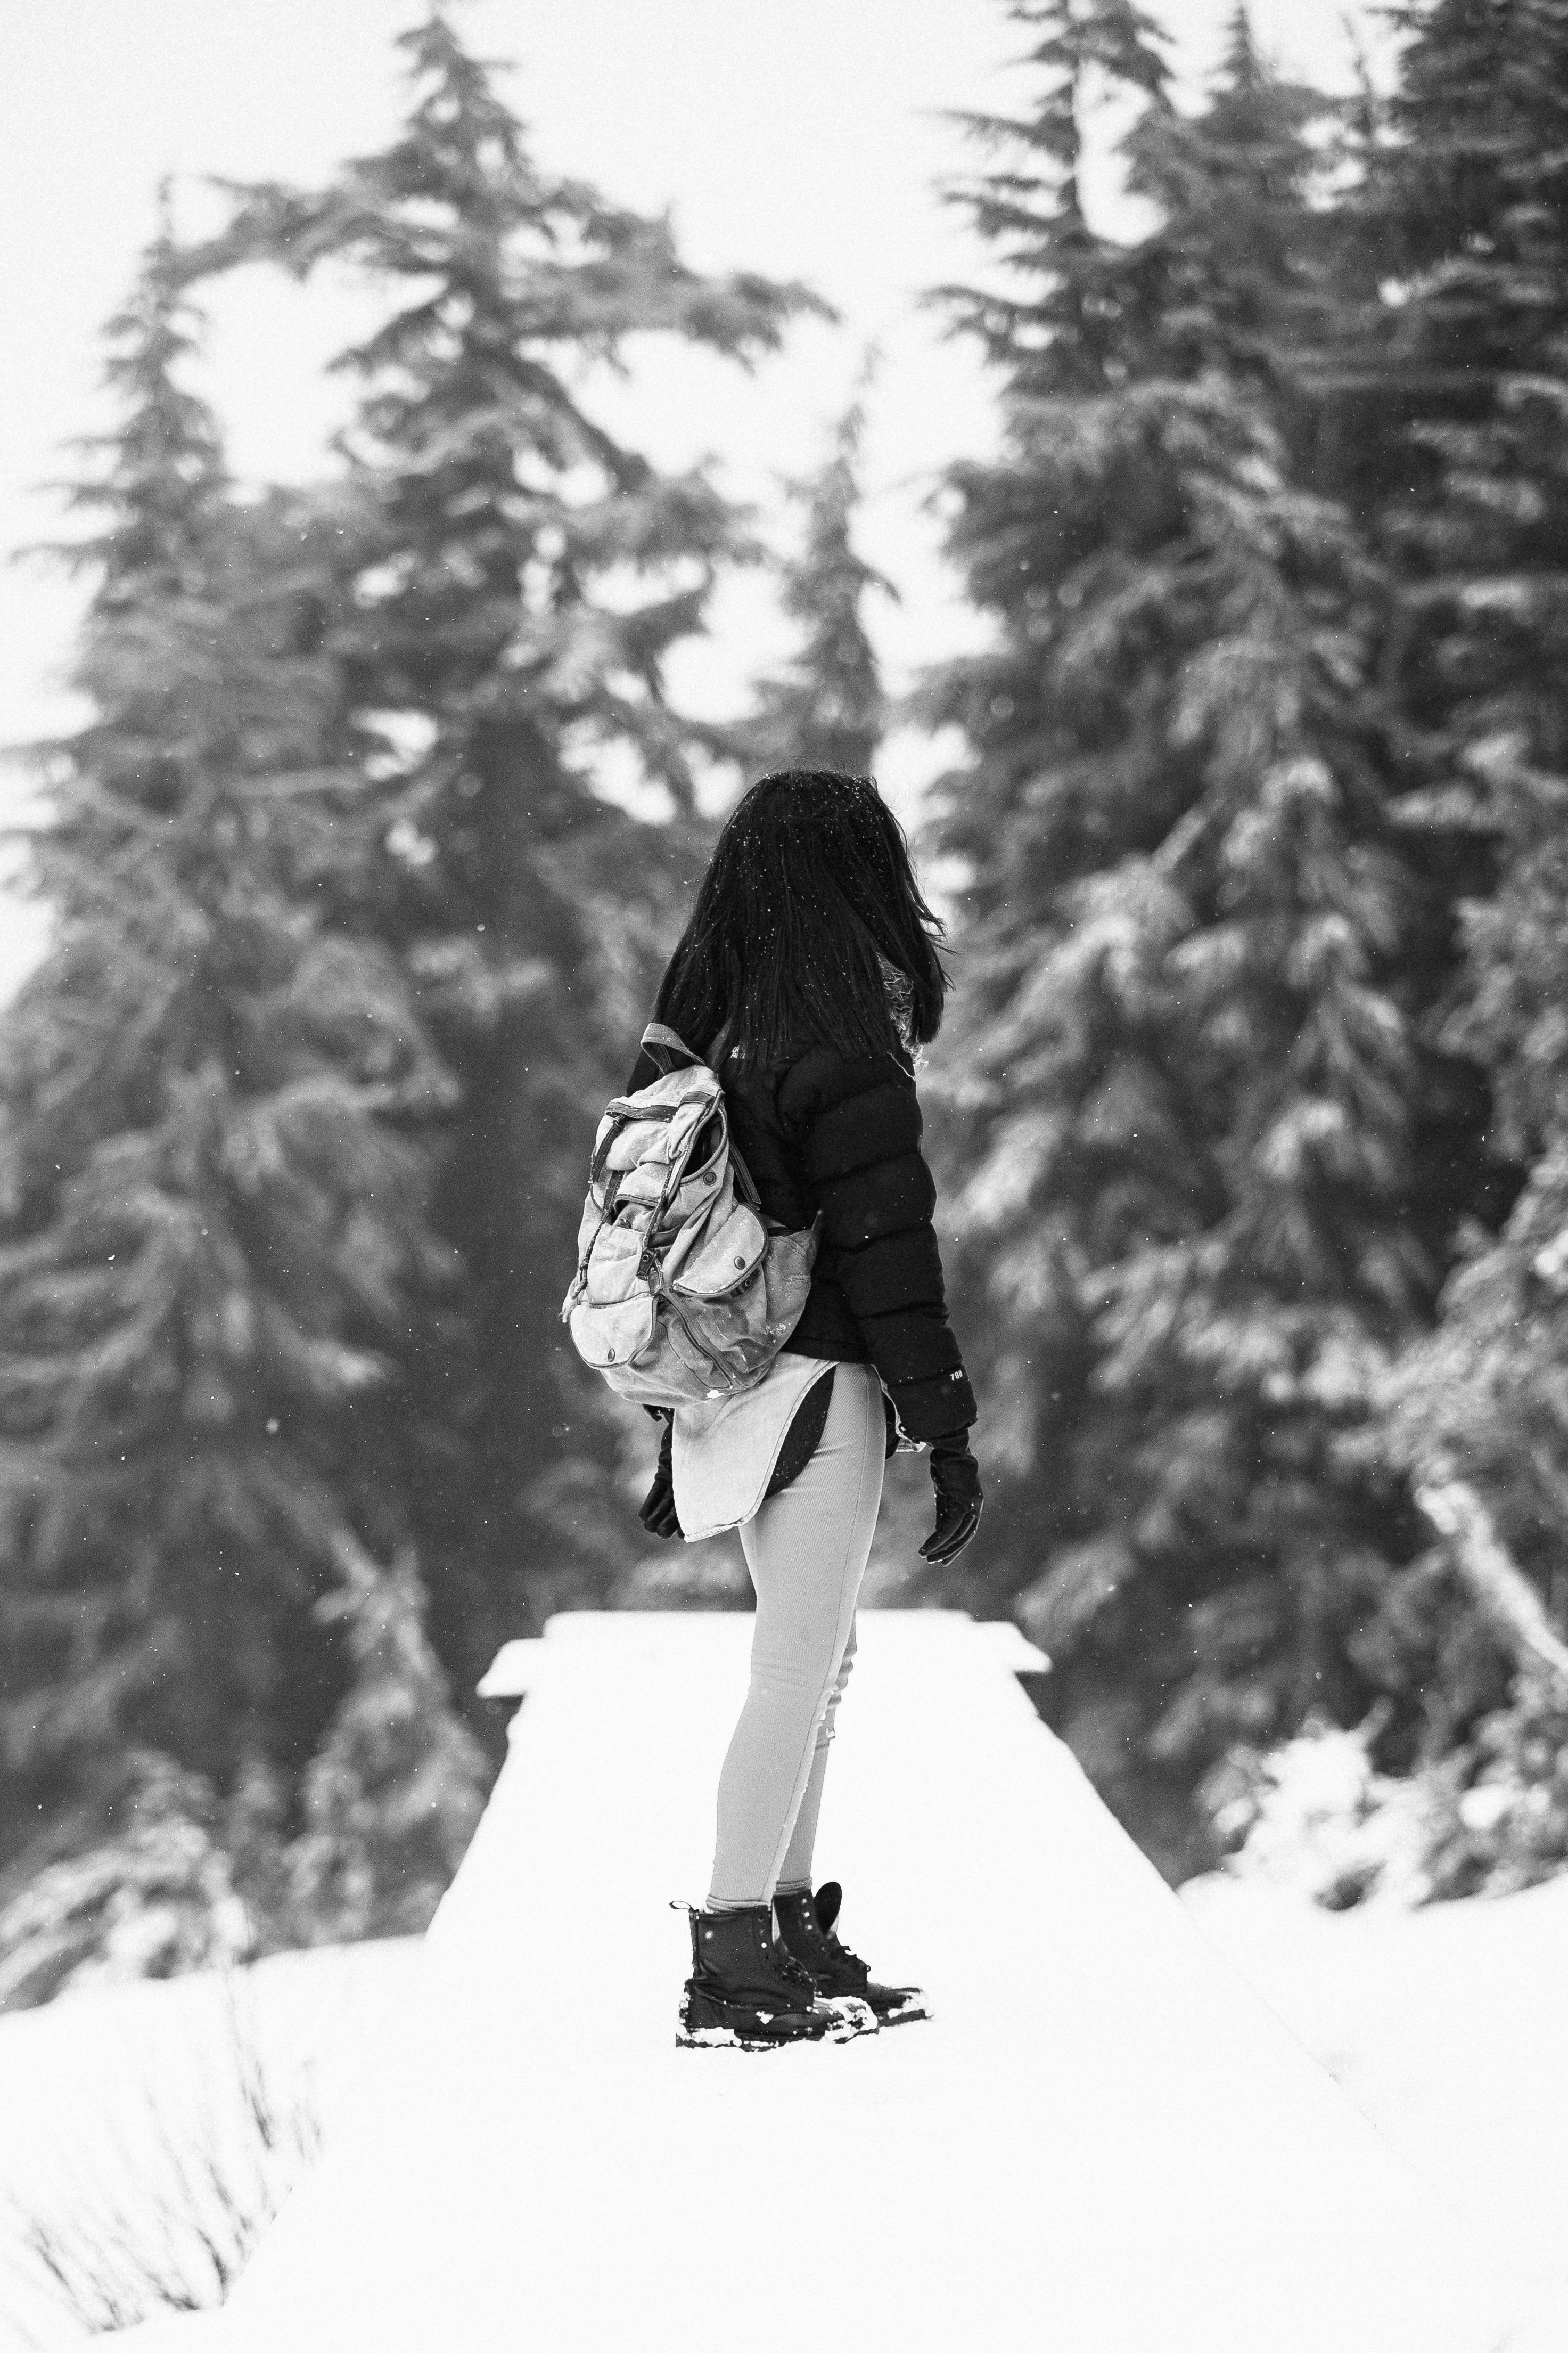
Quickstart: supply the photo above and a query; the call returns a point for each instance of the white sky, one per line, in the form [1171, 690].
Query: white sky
[800, 138]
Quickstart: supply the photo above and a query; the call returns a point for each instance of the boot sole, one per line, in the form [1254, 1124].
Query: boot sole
[898, 2014]
[707, 2023]
[905, 2015]
[725, 2038]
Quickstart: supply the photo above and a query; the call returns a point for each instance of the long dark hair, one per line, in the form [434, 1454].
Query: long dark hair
[809, 885]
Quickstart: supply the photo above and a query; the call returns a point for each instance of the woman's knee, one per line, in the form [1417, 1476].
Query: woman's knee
[845, 1664]
[805, 1666]
[793, 1673]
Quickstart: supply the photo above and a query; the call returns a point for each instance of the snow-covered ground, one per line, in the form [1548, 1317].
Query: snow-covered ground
[1447, 2027]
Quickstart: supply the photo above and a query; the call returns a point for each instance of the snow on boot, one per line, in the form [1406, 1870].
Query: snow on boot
[746, 1993]
[806, 1930]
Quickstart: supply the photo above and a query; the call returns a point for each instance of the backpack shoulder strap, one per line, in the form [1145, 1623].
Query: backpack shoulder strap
[666, 1049]
[745, 1183]
[714, 1057]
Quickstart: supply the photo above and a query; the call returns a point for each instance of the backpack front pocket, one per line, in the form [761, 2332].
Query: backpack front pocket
[727, 1259]
[616, 1334]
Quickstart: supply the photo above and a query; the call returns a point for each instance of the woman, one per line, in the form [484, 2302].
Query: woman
[807, 977]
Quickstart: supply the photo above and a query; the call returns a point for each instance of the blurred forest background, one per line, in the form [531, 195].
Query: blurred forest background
[1251, 1112]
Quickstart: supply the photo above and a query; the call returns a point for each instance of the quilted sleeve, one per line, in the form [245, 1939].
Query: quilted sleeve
[857, 1126]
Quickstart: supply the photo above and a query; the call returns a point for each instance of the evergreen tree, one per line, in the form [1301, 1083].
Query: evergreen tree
[827, 708]
[521, 578]
[1461, 399]
[215, 1241]
[1183, 1092]
[1451, 409]
[1237, 273]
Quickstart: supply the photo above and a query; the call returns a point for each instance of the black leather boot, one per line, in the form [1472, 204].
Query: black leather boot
[745, 1992]
[806, 1930]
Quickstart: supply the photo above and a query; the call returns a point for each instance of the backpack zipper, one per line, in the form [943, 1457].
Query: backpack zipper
[653, 1272]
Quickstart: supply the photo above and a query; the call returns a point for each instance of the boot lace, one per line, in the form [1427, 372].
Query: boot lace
[843, 1952]
[788, 1966]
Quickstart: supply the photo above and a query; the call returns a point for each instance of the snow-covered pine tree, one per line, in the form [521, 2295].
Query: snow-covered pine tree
[1182, 1095]
[826, 708]
[1462, 398]
[215, 1246]
[522, 578]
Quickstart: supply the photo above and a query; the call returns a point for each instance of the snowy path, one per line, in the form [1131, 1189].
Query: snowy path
[1104, 2142]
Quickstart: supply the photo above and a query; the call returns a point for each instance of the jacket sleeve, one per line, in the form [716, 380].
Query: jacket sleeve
[857, 1126]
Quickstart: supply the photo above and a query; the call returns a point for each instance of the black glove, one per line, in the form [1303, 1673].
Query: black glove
[955, 1475]
[658, 1511]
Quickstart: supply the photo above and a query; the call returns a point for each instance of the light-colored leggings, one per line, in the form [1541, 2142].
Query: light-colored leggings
[806, 1551]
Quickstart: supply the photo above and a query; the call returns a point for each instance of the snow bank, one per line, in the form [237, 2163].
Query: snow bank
[98, 2086]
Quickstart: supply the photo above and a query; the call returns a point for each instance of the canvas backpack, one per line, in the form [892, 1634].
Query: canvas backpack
[682, 1292]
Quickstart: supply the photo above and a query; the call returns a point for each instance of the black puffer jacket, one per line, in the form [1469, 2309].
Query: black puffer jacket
[843, 1136]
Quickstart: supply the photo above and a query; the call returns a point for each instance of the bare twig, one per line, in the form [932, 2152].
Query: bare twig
[169, 2225]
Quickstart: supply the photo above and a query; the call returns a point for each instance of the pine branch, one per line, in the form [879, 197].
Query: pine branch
[1504, 1594]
